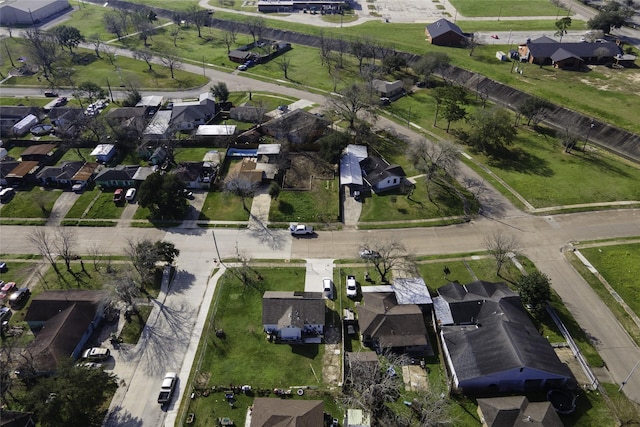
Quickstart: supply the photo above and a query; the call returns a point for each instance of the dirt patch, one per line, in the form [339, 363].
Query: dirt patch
[566, 356]
[331, 362]
[415, 378]
[303, 167]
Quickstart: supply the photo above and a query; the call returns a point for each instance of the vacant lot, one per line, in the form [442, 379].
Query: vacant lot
[303, 168]
[507, 8]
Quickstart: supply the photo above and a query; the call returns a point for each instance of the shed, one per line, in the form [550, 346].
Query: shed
[445, 33]
[22, 127]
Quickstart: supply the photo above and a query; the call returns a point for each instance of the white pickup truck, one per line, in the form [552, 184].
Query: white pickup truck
[168, 385]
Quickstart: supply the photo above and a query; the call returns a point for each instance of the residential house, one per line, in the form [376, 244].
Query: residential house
[297, 126]
[192, 174]
[386, 325]
[273, 412]
[150, 104]
[490, 343]
[517, 411]
[23, 172]
[382, 176]
[294, 316]
[62, 322]
[159, 127]
[412, 290]
[118, 176]
[189, 115]
[65, 117]
[42, 153]
[247, 114]
[568, 55]
[391, 90]
[6, 166]
[104, 152]
[129, 122]
[67, 174]
[350, 171]
[446, 33]
[217, 135]
[158, 156]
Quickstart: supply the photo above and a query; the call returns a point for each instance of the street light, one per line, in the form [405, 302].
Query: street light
[591, 126]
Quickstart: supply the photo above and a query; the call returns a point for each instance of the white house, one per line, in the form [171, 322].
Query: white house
[380, 175]
[294, 316]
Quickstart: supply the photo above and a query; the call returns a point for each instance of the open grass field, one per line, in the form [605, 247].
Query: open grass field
[104, 208]
[320, 205]
[507, 8]
[540, 170]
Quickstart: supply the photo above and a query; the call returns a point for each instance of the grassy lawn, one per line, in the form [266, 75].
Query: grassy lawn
[245, 356]
[104, 208]
[191, 154]
[30, 203]
[507, 8]
[131, 331]
[223, 206]
[540, 170]
[320, 204]
[72, 155]
[399, 207]
[527, 25]
[82, 203]
[31, 102]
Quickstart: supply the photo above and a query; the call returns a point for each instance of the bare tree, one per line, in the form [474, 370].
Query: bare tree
[360, 49]
[65, 244]
[97, 42]
[501, 245]
[256, 27]
[198, 17]
[241, 186]
[175, 32]
[372, 386]
[171, 61]
[351, 101]
[143, 26]
[389, 255]
[284, 63]
[144, 55]
[43, 48]
[438, 162]
[126, 288]
[42, 242]
[114, 24]
[95, 252]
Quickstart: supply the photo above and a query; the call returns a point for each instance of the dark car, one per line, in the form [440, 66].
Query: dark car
[19, 297]
[51, 94]
[3, 267]
[5, 314]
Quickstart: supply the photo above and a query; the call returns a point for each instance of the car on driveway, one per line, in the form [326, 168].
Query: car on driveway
[131, 194]
[327, 288]
[96, 354]
[352, 287]
[7, 289]
[5, 314]
[369, 254]
[118, 196]
[300, 230]
[18, 298]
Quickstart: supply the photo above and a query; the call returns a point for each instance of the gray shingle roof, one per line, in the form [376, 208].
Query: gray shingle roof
[442, 26]
[293, 309]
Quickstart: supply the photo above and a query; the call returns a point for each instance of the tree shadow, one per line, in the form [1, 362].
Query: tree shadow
[310, 351]
[518, 160]
[120, 417]
[285, 208]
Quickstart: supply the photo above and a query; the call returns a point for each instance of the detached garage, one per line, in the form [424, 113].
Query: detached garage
[28, 12]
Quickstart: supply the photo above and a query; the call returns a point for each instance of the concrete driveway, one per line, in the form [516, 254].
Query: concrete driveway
[317, 269]
[61, 207]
